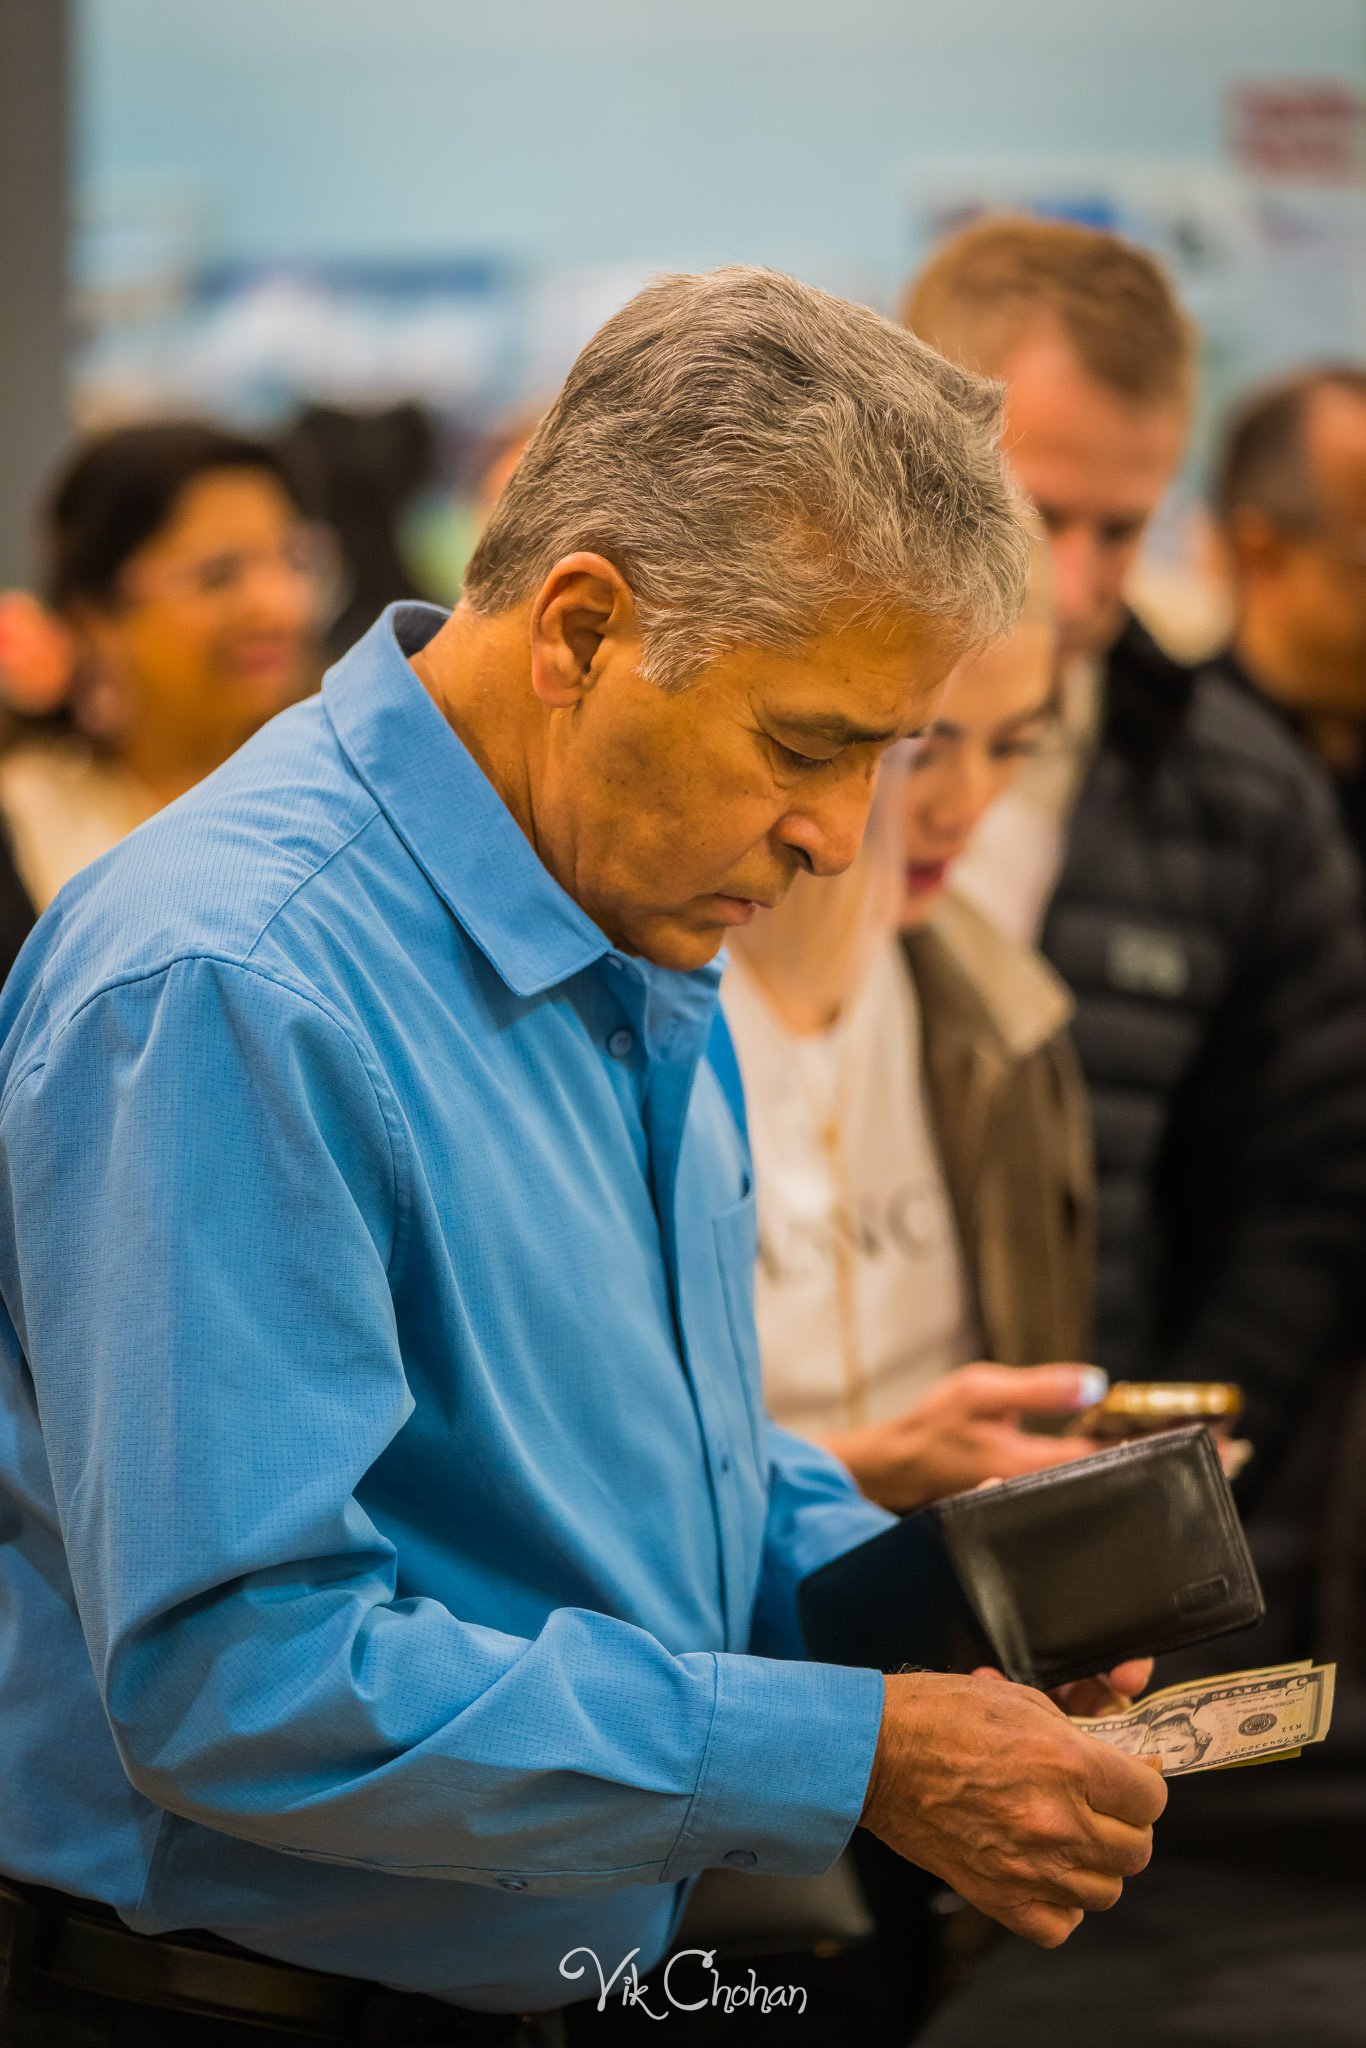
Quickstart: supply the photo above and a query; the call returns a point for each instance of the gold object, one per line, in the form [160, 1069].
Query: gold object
[1143, 1407]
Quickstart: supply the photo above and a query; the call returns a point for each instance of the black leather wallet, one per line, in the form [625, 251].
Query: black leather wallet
[1054, 1576]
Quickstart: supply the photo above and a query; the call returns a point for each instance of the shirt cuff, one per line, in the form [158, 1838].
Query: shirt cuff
[786, 1770]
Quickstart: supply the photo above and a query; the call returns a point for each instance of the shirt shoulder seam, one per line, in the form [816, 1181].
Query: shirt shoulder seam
[313, 874]
[388, 1111]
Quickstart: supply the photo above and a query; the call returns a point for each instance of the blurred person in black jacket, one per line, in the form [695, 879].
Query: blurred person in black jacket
[1192, 882]
[1290, 497]
[1182, 867]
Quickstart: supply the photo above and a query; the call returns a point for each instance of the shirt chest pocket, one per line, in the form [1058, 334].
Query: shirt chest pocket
[735, 1232]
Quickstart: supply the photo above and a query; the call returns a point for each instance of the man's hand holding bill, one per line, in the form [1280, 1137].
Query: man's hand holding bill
[994, 1790]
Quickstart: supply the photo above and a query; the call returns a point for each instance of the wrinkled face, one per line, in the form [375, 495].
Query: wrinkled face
[213, 629]
[673, 816]
[1096, 466]
[998, 708]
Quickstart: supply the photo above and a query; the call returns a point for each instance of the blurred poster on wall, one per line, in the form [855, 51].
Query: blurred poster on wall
[162, 325]
[1298, 150]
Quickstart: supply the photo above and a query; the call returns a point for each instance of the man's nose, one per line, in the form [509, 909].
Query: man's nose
[827, 833]
[1076, 575]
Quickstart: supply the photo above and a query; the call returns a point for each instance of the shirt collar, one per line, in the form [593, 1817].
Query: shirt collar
[448, 814]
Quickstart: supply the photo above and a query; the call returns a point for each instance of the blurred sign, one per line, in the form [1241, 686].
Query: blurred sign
[1310, 131]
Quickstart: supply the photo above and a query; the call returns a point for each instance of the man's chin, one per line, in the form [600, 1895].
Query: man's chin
[1093, 639]
[675, 942]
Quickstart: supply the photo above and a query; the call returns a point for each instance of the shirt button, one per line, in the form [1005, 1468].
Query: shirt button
[723, 1457]
[620, 1044]
[740, 1859]
[513, 1884]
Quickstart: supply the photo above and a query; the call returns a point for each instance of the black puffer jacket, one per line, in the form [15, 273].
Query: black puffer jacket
[1208, 921]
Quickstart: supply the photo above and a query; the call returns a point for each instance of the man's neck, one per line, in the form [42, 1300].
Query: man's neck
[477, 672]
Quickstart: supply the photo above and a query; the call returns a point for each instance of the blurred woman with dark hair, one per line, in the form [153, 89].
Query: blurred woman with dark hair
[181, 567]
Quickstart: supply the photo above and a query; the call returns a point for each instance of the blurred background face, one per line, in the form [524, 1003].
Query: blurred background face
[214, 626]
[998, 709]
[1096, 467]
[1316, 582]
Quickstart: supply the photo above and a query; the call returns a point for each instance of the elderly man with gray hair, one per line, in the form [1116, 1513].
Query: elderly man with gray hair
[398, 1566]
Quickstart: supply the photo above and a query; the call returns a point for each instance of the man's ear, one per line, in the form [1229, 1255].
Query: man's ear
[583, 612]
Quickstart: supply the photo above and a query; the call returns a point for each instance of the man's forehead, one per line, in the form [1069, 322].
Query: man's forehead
[1068, 436]
[862, 684]
[1045, 378]
[860, 704]
[1337, 447]
[1065, 467]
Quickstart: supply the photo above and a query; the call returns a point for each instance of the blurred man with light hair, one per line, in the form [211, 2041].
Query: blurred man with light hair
[1185, 869]
[1179, 863]
[399, 1569]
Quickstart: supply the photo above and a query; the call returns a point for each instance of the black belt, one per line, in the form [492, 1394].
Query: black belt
[53, 1939]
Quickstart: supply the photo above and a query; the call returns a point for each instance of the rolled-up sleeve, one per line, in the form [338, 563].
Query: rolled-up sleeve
[206, 1184]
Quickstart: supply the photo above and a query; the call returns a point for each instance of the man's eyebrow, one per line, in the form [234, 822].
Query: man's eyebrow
[1059, 515]
[842, 732]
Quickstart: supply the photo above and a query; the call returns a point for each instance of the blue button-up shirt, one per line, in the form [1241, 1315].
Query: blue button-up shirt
[396, 1565]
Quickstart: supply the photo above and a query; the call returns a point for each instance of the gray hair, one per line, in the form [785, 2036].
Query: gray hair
[751, 453]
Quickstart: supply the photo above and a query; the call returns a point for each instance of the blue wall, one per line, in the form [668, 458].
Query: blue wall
[646, 131]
